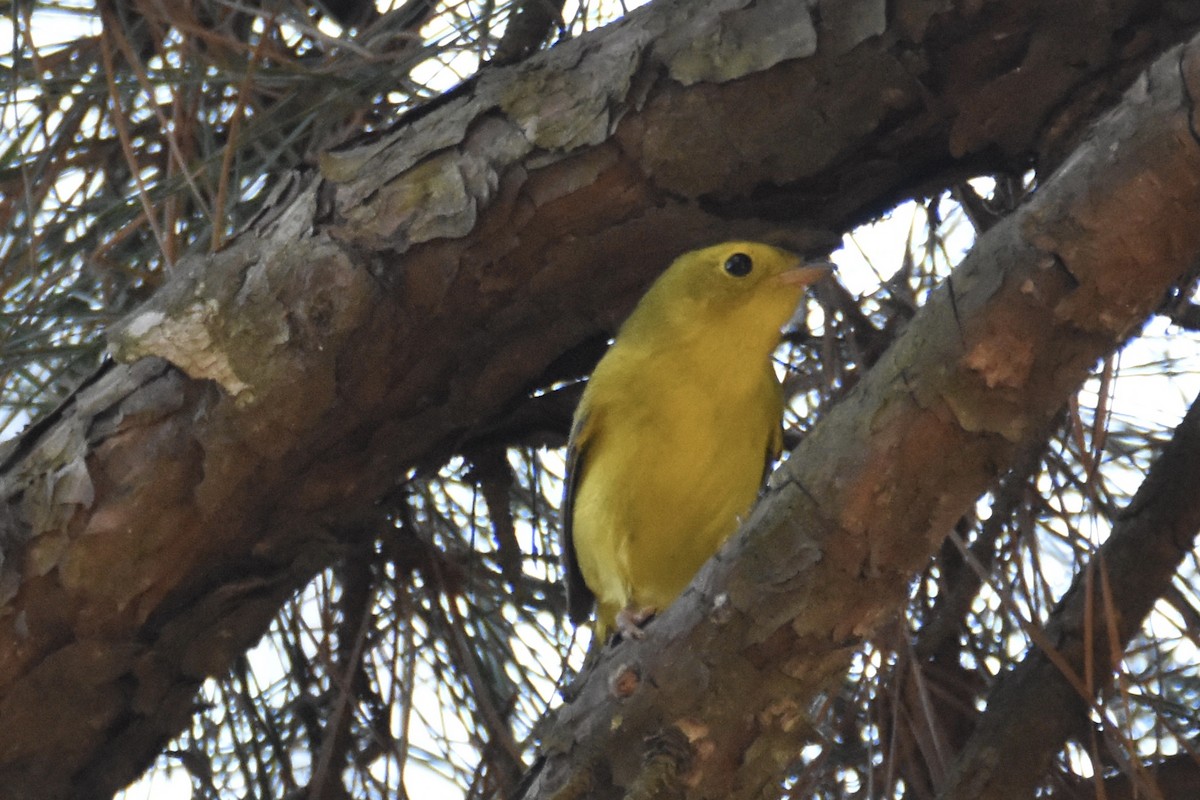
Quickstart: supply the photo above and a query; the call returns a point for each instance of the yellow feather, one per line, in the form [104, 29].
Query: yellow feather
[676, 427]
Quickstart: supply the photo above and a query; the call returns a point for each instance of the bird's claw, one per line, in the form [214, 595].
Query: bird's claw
[630, 621]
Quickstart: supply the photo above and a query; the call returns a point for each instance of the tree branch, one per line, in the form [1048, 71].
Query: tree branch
[405, 296]
[858, 508]
[1035, 708]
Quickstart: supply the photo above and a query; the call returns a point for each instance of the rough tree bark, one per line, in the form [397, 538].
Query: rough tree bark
[411, 292]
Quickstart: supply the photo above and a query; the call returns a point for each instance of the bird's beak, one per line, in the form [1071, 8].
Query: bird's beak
[807, 273]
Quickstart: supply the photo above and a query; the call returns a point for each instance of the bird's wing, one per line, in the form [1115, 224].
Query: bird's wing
[580, 598]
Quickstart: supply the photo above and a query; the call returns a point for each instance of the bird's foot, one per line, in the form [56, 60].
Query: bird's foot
[630, 621]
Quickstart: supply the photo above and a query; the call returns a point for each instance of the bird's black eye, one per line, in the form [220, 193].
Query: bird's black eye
[739, 265]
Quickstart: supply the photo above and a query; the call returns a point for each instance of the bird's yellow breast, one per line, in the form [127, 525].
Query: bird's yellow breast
[665, 488]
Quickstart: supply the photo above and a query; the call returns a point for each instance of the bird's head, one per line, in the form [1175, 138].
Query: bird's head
[740, 285]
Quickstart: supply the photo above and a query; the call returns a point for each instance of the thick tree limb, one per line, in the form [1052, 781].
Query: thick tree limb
[853, 514]
[407, 297]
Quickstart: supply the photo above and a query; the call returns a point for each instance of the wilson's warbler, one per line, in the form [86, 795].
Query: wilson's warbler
[675, 430]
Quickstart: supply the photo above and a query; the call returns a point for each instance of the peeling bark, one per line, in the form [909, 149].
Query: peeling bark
[400, 300]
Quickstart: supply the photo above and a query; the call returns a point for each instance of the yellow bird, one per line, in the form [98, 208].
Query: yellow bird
[675, 430]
